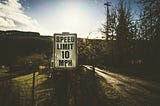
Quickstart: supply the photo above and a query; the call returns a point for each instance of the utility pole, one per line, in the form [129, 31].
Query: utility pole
[107, 4]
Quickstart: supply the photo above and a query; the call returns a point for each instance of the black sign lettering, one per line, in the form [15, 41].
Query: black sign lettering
[63, 46]
[65, 51]
[65, 39]
[65, 62]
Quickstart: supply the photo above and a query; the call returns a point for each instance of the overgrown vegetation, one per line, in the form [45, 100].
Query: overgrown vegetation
[131, 42]
[81, 87]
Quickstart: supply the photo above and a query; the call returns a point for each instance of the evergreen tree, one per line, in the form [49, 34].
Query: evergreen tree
[151, 17]
[123, 29]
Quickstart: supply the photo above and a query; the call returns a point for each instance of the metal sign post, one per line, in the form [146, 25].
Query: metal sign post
[65, 51]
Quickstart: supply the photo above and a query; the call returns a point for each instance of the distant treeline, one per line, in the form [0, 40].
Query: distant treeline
[14, 44]
[119, 53]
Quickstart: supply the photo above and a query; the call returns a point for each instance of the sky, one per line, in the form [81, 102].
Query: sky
[47, 17]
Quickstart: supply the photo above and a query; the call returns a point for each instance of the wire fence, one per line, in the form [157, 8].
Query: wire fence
[18, 91]
[63, 88]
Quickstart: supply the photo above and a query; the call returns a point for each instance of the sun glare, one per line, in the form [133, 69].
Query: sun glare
[73, 19]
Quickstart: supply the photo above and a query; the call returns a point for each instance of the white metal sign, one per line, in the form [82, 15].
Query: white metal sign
[65, 51]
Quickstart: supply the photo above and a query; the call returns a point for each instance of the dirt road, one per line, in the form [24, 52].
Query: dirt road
[135, 92]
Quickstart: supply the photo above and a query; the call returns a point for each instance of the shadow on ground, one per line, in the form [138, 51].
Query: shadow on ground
[80, 87]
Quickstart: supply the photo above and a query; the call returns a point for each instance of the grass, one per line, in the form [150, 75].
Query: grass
[81, 87]
[109, 91]
[3, 72]
[105, 94]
